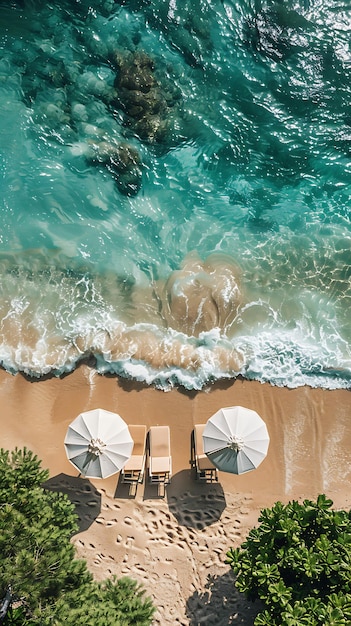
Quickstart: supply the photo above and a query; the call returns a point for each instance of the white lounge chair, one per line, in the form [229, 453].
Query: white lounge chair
[133, 471]
[205, 470]
[160, 459]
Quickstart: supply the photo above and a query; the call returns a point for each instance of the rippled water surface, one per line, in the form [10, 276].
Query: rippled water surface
[175, 189]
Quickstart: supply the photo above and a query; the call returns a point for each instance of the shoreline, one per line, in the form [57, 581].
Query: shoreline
[305, 424]
[175, 545]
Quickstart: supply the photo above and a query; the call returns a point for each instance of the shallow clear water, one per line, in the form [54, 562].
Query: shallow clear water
[175, 189]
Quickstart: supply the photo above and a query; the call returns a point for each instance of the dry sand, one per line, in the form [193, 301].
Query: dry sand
[175, 545]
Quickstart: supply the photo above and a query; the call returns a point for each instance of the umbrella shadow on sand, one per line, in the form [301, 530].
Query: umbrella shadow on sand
[80, 491]
[193, 503]
[221, 604]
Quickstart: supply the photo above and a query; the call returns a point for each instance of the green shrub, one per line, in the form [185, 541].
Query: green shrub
[298, 563]
[119, 602]
[38, 561]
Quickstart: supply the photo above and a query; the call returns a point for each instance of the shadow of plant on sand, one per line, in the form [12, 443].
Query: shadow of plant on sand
[221, 604]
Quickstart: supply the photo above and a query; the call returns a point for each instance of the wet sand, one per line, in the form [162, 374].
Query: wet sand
[175, 545]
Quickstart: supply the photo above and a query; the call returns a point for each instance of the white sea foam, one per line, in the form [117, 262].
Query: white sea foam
[37, 341]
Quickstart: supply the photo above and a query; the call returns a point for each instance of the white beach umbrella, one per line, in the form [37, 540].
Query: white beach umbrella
[236, 439]
[98, 443]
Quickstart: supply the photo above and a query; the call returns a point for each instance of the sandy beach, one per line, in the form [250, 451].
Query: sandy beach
[175, 545]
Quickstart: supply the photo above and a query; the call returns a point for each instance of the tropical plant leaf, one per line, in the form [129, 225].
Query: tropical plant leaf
[297, 561]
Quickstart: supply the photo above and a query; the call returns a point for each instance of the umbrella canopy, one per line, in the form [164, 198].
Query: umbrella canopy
[98, 443]
[236, 439]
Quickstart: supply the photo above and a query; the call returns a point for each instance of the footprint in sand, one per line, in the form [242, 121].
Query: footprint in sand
[105, 506]
[244, 510]
[203, 549]
[111, 522]
[129, 542]
[172, 535]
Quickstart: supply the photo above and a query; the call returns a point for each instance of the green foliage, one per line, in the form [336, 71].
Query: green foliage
[19, 470]
[118, 602]
[298, 563]
[38, 560]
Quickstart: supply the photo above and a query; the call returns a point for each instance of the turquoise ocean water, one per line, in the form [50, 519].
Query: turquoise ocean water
[175, 181]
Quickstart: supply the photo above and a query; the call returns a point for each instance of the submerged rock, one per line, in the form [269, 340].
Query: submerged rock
[144, 101]
[202, 295]
[122, 161]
